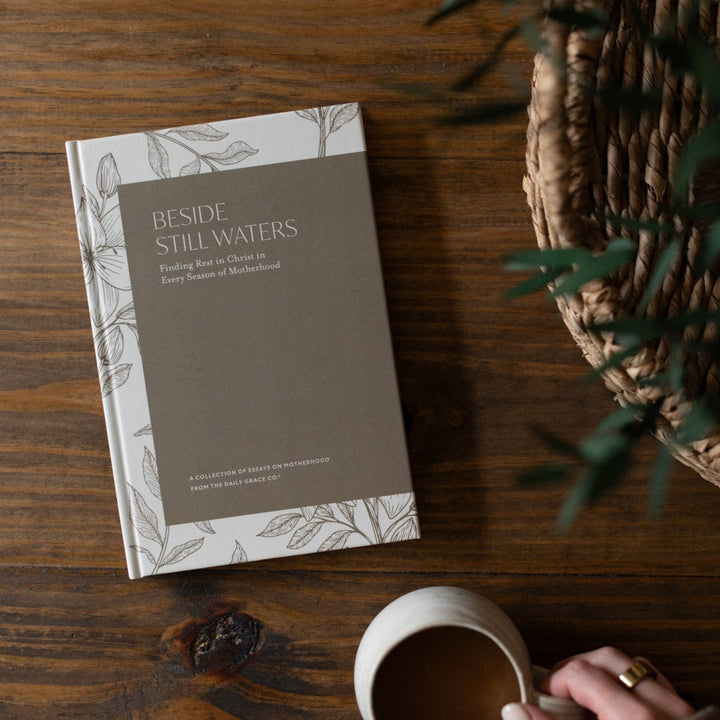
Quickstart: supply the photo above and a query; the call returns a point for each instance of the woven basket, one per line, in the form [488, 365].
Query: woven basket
[586, 161]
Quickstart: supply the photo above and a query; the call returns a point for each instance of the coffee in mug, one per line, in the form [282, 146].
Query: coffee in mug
[446, 653]
[445, 671]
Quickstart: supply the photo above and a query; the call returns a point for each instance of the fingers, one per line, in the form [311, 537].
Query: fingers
[522, 711]
[591, 679]
[661, 679]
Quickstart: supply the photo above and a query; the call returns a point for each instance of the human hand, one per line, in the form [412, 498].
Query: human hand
[593, 681]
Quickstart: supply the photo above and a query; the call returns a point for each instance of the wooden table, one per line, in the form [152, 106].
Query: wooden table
[476, 373]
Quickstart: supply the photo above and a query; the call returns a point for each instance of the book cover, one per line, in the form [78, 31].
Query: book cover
[242, 340]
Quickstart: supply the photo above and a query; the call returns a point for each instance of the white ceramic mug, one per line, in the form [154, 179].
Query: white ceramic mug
[446, 652]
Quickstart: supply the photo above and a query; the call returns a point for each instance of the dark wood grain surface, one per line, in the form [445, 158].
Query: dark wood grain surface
[476, 373]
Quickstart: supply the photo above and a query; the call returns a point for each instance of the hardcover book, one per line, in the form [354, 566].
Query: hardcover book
[242, 340]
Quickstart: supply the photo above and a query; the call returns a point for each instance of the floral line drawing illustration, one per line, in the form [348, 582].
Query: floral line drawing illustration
[104, 259]
[377, 520]
[159, 156]
[146, 430]
[145, 521]
[329, 120]
[397, 521]
[102, 242]
[239, 555]
[390, 518]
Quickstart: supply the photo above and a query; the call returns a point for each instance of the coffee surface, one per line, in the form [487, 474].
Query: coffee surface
[444, 672]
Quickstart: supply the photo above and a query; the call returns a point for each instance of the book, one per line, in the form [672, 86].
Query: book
[242, 340]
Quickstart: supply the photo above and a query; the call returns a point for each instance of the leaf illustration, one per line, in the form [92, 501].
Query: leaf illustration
[180, 552]
[109, 345]
[281, 524]
[147, 430]
[145, 552]
[372, 505]
[335, 541]
[302, 536]
[235, 153]
[199, 132]
[192, 168]
[407, 530]
[91, 201]
[393, 504]
[239, 555]
[311, 114]
[324, 512]
[308, 511]
[143, 517]
[114, 378]
[126, 314]
[111, 222]
[150, 473]
[342, 115]
[158, 157]
[205, 526]
[347, 510]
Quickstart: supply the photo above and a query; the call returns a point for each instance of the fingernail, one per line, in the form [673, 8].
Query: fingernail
[515, 711]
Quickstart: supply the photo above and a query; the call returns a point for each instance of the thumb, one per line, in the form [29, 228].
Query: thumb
[523, 711]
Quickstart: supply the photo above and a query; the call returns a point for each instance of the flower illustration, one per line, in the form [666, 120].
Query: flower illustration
[104, 259]
[108, 176]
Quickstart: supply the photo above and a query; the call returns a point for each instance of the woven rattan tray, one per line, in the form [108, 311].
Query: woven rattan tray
[587, 161]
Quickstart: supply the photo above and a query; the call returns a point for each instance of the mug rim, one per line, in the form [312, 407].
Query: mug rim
[523, 675]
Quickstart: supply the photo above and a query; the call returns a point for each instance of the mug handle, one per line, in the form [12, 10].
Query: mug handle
[558, 707]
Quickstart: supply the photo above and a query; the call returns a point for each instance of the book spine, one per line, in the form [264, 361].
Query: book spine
[88, 240]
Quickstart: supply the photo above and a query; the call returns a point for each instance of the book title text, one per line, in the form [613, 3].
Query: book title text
[197, 228]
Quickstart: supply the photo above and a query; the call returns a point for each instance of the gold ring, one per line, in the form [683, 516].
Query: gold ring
[637, 672]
